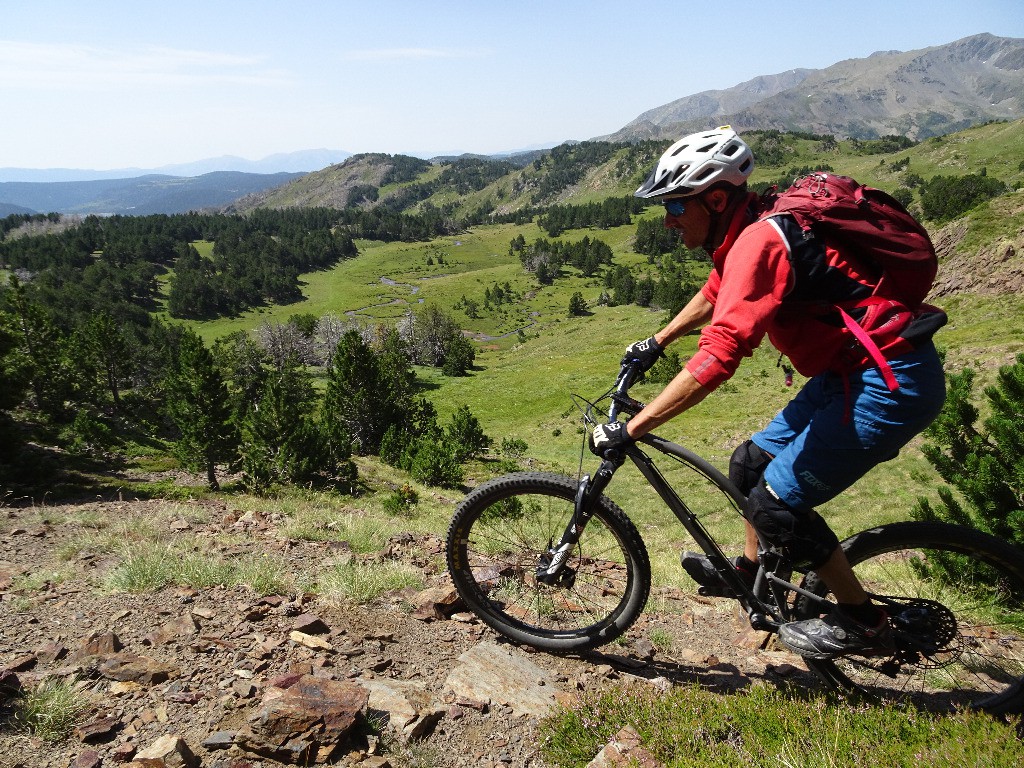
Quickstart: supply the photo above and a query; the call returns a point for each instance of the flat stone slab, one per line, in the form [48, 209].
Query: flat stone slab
[502, 674]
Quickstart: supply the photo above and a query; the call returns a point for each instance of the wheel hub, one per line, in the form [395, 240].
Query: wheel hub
[926, 628]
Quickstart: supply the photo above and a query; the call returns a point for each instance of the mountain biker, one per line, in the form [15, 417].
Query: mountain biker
[767, 279]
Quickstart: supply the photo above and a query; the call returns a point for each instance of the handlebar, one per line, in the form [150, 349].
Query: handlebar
[621, 401]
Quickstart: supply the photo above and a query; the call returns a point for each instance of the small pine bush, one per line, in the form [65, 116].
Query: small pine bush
[981, 462]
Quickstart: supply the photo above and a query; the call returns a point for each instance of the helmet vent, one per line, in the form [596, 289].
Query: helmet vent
[680, 172]
[708, 147]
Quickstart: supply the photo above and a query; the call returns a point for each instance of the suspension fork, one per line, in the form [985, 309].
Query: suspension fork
[588, 492]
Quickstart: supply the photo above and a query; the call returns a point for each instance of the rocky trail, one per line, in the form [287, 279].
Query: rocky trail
[228, 678]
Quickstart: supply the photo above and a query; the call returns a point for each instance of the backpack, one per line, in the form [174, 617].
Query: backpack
[869, 222]
[875, 227]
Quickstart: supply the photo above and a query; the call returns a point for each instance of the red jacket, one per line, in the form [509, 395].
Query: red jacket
[767, 280]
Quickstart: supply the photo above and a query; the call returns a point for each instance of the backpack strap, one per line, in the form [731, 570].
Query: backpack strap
[872, 349]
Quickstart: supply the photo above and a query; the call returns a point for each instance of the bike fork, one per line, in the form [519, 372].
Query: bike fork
[549, 569]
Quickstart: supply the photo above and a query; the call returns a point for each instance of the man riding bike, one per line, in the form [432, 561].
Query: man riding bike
[769, 279]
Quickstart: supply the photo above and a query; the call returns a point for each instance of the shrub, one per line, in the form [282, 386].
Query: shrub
[665, 369]
[401, 502]
[513, 447]
[945, 197]
[577, 305]
[904, 195]
[465, 435]
[87, 434]
[434, 463]
[982, 463]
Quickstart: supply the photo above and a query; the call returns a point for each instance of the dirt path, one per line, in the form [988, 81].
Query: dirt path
[210, 656]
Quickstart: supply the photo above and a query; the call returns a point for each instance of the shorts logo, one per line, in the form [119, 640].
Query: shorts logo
[812, 481]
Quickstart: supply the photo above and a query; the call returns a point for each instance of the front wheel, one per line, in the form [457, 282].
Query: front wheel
[507, 529]
[955, 597]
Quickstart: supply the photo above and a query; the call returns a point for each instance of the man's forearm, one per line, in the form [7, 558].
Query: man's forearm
[682, 392]
[695, 314]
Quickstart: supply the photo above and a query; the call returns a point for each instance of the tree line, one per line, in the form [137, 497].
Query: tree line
[247, 403]
[612, 212]
[545, 258]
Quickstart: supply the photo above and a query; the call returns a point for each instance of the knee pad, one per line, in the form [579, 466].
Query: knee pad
[805, 536]
[746, 466]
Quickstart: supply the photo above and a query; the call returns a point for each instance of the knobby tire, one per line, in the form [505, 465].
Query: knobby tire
[505, 528]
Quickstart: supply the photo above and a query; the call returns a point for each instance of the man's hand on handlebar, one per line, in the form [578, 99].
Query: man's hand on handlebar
[645, 353]
[607, 436]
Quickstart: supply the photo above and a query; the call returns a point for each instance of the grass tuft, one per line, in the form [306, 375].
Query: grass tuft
[365, 582]
[149, 568]
[50, 710]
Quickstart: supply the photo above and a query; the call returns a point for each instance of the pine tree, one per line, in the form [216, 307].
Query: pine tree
[465, 435]
[197, 402]
[368, 390]
[982, 463]
[577, 305]
[284, 443]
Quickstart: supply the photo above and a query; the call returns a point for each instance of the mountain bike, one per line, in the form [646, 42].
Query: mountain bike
[549, 561]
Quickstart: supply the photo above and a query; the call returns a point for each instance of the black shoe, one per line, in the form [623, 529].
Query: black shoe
[836, 634]
[699, 568]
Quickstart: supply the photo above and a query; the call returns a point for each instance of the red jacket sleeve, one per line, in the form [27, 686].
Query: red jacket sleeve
[746, 286]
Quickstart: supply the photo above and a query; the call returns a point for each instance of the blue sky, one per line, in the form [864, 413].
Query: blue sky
[119, 84]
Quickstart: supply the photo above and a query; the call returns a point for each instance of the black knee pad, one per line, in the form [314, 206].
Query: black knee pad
[746, 466]
[805, 536]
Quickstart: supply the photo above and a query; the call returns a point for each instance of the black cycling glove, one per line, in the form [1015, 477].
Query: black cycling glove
[645, 352]
[607, 436]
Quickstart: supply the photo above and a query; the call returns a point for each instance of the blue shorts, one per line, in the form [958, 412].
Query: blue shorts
[826, 438]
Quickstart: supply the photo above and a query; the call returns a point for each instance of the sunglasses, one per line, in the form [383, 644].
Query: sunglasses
[674, 207]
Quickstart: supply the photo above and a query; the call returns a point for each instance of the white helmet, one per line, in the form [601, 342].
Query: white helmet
[697, 161]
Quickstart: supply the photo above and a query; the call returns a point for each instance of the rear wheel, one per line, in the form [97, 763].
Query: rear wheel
[504, 532]
[955, 597]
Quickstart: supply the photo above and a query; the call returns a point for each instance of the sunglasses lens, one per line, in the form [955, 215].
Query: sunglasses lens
[675, 207]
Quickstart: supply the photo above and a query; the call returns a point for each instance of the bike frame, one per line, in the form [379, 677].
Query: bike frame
[765, 602]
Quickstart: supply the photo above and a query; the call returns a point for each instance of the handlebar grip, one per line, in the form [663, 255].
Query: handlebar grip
[628, 375]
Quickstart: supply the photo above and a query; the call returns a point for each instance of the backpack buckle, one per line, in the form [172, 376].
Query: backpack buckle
[816, 185]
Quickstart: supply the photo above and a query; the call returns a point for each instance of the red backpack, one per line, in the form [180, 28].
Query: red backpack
[873, 224]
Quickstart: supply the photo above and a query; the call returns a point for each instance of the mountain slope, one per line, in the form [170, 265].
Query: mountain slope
[918, 94]
[708, 104]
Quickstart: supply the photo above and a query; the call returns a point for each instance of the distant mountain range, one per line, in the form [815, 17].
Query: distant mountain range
[918, 94]
[284, 162]
[138, 196]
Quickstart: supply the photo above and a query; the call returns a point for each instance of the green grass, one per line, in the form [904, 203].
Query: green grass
[154, 566]
[50, 710]
[763, 726]
[364, 582]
